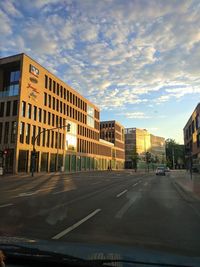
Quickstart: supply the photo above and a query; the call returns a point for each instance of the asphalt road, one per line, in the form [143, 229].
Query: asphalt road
[121, 208]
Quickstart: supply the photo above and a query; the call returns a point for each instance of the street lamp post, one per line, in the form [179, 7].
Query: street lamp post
[34, 141]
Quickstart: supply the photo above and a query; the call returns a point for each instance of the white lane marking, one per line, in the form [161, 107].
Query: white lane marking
[71, 228]
[121, 212]
[135, 184]
[6, 205]
[123, 192]
[96, 182]
[27, 194]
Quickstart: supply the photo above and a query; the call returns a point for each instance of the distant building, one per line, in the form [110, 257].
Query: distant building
[141, 142]
[192, 139]
[113, 131]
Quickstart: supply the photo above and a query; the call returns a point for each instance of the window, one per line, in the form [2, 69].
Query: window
[90, 116]
[46, 81]
[57, 104]
[61, 107]
[35, 113]
[23, 114]
[33, 134]
[64, 93]
[67, 95]
[53, 120]
[28, 127]
[40, 115]
[58, 89]
[52, 139]
[15, 108]
[70, 97]
[49, 101]
[14, 76]
[56, 140]
[197, 121]
[60, 122]
[56, 121]
[61, 91]
[2, 109]
[44, 116]
[49, 118]
[43, 137]
[1, 131]
[13, 132]
[54, 87]
[50, 83]
[198, 140]
[21, 134]
[45, 99]
[29, 110]
[8, 106]
[73, 99]
[48, 138]
[39, 136]
[64, 108]
[54, 101]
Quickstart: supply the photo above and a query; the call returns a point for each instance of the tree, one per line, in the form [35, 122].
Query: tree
[175, 154]
[135, 158]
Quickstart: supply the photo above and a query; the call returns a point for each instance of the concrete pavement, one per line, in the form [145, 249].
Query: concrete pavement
[125, 208]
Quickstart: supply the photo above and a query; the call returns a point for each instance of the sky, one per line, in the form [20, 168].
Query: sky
[137, 60]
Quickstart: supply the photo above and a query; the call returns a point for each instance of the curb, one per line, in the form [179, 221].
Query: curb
[185, 194]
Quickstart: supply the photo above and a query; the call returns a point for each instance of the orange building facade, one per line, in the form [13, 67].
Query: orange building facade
[37, 107]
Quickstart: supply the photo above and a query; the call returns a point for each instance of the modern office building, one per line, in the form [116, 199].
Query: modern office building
[140, 141]
[37, 107]
[113, 131]
[192, 139]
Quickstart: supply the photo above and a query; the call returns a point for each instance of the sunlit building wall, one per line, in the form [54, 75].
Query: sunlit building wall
[140, 141]
[34, 102]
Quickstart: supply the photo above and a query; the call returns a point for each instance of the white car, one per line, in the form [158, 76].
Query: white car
[160, 171]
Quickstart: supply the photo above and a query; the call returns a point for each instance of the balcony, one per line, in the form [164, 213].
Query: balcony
[12, 90]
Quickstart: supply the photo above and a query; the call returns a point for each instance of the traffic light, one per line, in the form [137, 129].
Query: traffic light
[68, 127]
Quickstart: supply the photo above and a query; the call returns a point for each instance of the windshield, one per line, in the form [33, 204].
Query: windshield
[98, 101]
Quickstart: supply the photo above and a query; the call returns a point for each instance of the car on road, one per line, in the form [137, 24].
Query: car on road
[160, 171]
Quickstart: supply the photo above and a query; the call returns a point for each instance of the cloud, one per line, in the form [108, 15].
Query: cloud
[10, 9]
[134, 115]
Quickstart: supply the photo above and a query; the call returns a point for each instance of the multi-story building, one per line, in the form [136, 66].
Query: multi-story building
[139, 142]
[192, 139]
[113, 131]
[36, 109]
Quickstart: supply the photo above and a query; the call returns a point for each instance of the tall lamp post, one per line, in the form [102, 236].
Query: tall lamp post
[34, 152]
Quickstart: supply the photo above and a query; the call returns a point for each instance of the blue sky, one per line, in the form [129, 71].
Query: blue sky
[138, 60]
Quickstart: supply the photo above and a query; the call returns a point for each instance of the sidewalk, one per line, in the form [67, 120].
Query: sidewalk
[183, 179]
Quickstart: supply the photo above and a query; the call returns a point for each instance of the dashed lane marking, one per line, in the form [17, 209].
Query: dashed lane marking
[71, 228]
[6, 205]
[123, 192]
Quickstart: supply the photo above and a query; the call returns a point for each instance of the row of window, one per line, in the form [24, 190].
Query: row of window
[64, 108]
[105, 135]
[41, 136]
[195, 125]
[106, 125]
[37, 114]
[87, 133]
[8, 108]
[8, 132]
[62, 92]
